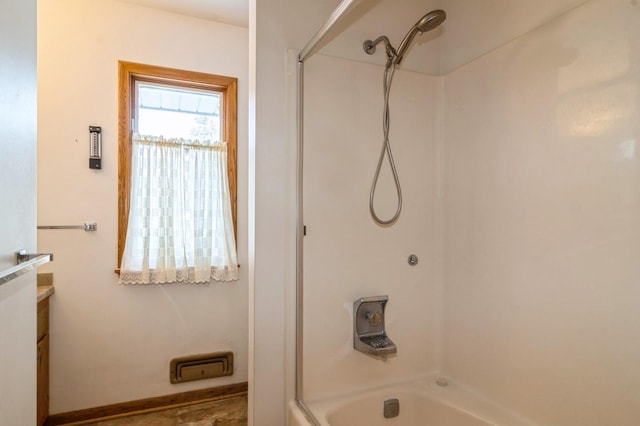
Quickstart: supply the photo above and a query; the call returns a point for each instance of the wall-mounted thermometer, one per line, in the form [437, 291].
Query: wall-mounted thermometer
[95, 147]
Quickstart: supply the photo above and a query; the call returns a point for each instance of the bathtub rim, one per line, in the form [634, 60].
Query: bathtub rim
[454, 395]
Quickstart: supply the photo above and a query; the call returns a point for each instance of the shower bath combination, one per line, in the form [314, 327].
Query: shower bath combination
[394, 56]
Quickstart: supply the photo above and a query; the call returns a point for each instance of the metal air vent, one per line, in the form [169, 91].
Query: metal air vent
[199, 367]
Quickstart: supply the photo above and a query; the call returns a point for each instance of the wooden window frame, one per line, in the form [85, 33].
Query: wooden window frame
[128, 74]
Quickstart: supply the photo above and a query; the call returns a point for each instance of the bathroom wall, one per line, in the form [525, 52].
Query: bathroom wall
[278, 25]
[112, 343]
[18, 214]
[346, 254]
[542, 203]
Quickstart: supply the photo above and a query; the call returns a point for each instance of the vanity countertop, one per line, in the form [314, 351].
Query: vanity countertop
[44, 291]
[45, 285]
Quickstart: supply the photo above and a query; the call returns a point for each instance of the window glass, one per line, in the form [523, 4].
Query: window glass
[174, 112]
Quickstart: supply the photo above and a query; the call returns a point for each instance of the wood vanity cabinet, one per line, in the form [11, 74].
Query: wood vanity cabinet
[43, 362]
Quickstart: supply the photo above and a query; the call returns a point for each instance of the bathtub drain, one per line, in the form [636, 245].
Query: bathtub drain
[441, 381]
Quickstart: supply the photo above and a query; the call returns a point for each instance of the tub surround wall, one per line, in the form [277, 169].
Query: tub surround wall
[348, 256]
[113, 343]
[542, 202]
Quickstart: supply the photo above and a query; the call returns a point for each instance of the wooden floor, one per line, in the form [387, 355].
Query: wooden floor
[221, 412]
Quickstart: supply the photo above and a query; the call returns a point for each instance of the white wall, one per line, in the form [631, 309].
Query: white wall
[346, 254]
[274, 219]
[542, 203]
[112, 343]
[18, 214]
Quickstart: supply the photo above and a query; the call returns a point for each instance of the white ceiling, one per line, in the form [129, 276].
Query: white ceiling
[472, 28]
[233, 12]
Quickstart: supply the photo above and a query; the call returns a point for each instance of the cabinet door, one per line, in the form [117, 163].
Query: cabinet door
[43, 379]
[43, 318]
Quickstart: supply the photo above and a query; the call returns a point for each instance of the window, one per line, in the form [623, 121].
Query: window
[177, 175]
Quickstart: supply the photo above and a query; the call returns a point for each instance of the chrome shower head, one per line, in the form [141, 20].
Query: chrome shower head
[431, 20]
[428, 22]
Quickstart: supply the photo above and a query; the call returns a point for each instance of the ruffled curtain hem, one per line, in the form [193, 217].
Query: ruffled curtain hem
[184, 276]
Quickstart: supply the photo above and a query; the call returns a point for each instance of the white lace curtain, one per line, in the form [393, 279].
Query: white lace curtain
[180, 224]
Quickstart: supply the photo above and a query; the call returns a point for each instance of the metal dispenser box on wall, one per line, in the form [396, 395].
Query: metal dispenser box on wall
[369, 335]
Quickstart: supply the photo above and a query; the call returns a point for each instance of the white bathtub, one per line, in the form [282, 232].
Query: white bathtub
[422, 403]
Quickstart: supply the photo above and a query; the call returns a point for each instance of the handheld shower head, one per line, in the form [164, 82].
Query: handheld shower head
[428, 22]
[431, 20]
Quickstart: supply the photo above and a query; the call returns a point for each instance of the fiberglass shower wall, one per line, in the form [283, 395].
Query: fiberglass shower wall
[542, 220]
[348, 256]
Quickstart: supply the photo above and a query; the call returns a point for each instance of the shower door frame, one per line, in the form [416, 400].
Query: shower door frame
[307, 52]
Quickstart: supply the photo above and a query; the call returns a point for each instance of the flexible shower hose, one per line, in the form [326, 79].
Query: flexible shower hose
[386, 148]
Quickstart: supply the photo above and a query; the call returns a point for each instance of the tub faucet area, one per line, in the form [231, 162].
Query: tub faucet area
[369, 334]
